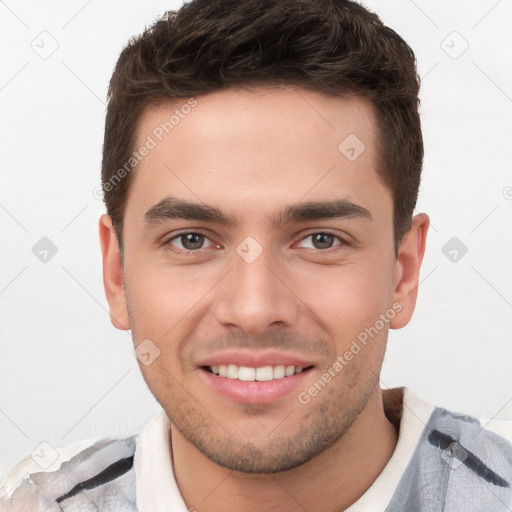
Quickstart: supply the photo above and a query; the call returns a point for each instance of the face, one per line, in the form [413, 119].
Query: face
[258, 248]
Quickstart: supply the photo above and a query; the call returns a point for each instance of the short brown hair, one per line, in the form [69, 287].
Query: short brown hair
[335, 47]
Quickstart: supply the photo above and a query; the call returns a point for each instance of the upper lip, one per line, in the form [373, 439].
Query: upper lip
[254, 359]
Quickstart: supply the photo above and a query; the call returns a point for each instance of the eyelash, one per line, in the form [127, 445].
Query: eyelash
[167, 243]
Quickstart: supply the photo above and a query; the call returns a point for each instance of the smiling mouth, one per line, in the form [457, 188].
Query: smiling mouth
[250, 374]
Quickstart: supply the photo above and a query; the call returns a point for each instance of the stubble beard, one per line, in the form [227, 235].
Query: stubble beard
[322, 424]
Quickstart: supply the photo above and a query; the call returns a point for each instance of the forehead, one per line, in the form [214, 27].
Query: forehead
[257, 148]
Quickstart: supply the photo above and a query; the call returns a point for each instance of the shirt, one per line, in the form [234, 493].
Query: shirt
[443, 461]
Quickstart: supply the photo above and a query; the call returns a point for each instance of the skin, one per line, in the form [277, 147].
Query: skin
[251, 153]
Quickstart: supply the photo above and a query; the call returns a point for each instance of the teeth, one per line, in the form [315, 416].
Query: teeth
[246, 373]
[279, 371]
[232, 372]
[264, 373]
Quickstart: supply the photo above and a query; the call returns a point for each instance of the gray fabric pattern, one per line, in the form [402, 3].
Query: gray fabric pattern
[100, 478]
[457, 467]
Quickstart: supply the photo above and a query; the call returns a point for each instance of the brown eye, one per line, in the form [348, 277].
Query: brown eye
[192, 241]
[321, 241]
[188, 241]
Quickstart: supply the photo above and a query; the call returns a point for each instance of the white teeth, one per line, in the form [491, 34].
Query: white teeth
[232, 371]
[261, 374]
[279, 371]
[246, 373]
[264, 373]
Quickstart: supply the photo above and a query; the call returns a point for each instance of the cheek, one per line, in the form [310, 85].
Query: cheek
[165, 305]
[349, 298]
[162, 297]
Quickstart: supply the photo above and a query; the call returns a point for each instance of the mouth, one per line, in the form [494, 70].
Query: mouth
[254, 378]
[259, 374]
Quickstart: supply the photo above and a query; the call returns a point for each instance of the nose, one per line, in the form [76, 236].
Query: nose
[255, 296]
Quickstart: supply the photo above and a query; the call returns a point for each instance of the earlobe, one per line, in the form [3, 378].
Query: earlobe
[113, 277]
[407, 270]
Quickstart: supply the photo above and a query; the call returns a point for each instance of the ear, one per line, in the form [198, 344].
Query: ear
[113, 277]
[407, 270]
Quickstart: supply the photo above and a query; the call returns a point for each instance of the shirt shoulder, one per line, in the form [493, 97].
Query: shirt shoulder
[457, 463]
[89, 475]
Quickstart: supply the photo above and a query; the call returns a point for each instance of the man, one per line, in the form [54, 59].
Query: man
[261, 166]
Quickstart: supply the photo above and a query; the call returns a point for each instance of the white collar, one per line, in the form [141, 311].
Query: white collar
[157, 490]
[415, 416]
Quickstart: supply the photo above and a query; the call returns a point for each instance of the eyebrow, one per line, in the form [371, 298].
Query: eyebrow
[171, 208]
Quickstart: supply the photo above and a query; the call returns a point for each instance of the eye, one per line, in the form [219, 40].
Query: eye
[188, 242]
[320, 241]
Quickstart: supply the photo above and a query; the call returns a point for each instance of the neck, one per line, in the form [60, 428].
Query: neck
[329, 482]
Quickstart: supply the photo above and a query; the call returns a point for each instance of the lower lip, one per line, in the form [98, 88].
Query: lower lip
[254, 392]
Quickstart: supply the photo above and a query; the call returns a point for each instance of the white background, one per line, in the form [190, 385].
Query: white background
[66, 374]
